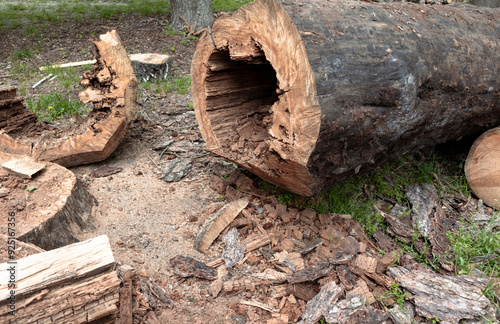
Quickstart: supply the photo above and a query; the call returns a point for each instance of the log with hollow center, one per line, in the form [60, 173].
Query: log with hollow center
[305, 95]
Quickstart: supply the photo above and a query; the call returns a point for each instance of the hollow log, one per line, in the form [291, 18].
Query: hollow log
[49, 210]
[72, 284]
[308, 94]
[111, 87]
[482, 167]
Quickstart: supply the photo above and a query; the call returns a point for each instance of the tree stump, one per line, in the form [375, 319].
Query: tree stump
[72, 284]
[111, 87]
[306, 95]
[50, 209]
[151, 67]
[482, 167]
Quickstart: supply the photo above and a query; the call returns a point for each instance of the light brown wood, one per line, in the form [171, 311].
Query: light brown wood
[52, 215]
[151, 67]
[72, 284]
[482, 167]
[100, 133]
[307, 94]
[216, 223]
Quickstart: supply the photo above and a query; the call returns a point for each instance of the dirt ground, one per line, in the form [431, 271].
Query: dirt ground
[148, 220]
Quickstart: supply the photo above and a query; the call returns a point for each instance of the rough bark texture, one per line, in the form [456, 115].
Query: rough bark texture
[305, 95]
[450, 299]
[60, 218]
[482, 167]
[112, 88]
[73, 284]
[486, 3]
[197, 14]
[151, 67]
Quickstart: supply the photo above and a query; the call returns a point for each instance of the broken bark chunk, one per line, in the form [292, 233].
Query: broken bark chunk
[423, 199]
[185, 267]
[448, 298]
[318, 306]
[234, 250]
[23, 168]
[311, 274]
[215, 224]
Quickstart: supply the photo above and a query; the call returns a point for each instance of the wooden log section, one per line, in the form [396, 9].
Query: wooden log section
[53, 214]
[111, 87]
[72, 284]
[306, 95]
[482, 167]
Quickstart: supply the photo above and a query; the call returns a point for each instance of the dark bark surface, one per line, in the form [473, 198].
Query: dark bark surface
[196, 13]
[306, 95]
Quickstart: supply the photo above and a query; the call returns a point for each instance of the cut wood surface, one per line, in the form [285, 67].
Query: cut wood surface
[482, 167]
[151, 67]
[53, 213]
[72, 284]
[305, 95]
[111, 87]
[216, 223]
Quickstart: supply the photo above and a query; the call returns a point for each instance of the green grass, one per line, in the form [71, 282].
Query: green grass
[471, 243]
[35, 13]
[54, 106]
[228, 5]
[179, 84]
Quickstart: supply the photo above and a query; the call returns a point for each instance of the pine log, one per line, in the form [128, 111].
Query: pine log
[482, 167]
[111, 87]
[308, 94]
[53, 213]
[72, 284]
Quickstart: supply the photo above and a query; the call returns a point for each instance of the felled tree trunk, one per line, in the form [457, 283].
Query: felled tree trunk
[50, 210]
[73, 284]
[191, 14]
[111, 87]
[482, 167]
[305, 95]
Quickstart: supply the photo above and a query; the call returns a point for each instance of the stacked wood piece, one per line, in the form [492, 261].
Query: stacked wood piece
[72, 284]
[307, 94]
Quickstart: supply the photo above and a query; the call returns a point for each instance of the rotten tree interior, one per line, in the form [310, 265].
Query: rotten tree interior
[307, 95]
[110, 87]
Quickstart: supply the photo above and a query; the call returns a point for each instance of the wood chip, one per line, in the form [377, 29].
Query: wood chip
[215, 224]
[318, 306]
[366, 263]
[23, 168]
[185, 266]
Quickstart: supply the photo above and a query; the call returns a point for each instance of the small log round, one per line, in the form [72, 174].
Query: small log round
[151, 67]
[482, 167]
[111, 87]
[49, 210]
[307, 94]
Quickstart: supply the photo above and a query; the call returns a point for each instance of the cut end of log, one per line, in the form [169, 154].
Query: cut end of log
[482, 169]
[254, 94]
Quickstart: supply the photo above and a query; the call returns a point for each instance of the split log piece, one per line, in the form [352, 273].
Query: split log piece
[72, 284]
[111, 87]
[307, 94]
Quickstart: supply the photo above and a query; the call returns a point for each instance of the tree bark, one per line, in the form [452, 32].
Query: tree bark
[73, 284]
[52, 215]
[151, 67]
[306, 95]
[111, 87]
[191, 14]
[482, 169]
